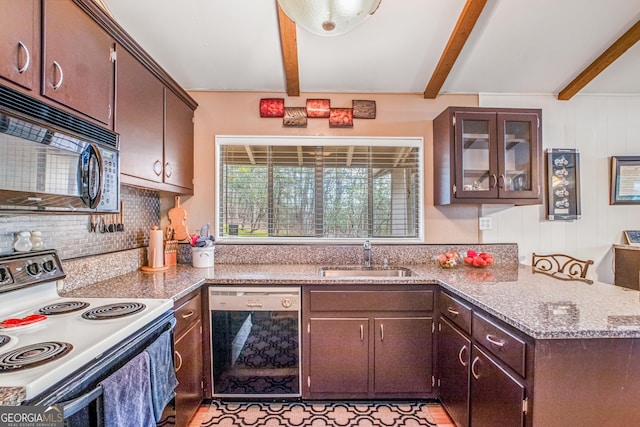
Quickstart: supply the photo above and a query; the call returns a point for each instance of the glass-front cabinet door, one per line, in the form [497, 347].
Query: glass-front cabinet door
[476, 148]
[518, 155]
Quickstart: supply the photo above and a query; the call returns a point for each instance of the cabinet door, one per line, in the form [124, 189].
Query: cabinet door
[519, 154]
[77, 71]
[20, 42]
[496, 397]
[139, 118]
[476, 155]
[403, 355]
[454, 357]
[178, 142]
[339, 356]
[188, 365]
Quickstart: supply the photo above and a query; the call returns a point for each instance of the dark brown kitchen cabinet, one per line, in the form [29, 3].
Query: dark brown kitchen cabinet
[178, 142]
[339, 356]
[188, 357]
[484, 155]
[78, 61]
[20, 44]
[373, 343]
[139, 118]
[454, 361]
[497, 398]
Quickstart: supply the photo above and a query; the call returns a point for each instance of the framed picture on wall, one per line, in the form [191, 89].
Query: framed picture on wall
[563, 184]
[625, 180]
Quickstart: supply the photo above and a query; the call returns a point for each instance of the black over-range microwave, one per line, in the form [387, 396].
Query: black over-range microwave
[52, 161]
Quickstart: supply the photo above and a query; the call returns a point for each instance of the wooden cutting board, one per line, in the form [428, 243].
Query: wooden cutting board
[177, 215]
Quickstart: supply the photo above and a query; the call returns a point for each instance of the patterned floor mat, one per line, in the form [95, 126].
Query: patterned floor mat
[318, 414]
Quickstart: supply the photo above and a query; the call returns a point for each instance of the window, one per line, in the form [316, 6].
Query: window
[319, 187]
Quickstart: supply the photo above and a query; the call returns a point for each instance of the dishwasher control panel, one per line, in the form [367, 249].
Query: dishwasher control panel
[258, 298]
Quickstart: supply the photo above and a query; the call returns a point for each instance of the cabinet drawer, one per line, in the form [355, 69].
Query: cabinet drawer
[371, 300]
[187, 314]
[456, 311]
[505, 345]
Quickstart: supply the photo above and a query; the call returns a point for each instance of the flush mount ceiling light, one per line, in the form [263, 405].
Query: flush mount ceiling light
[328, 17]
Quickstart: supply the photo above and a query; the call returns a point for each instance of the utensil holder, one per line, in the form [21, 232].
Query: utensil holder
[202, 257]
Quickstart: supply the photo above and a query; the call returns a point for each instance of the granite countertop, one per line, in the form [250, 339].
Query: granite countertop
[538, 305]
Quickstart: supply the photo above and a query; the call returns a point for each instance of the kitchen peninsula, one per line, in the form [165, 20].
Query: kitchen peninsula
[578, 343]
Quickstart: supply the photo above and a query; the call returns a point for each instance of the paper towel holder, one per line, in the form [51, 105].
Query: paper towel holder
[153, 256]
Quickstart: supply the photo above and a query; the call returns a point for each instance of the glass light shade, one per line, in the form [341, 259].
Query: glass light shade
[328, 17]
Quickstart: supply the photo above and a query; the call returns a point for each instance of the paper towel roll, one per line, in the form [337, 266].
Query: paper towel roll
[156, 248]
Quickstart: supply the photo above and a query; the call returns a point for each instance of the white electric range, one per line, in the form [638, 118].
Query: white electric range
[45, 339]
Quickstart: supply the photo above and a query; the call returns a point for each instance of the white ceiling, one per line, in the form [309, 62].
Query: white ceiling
[517, 46]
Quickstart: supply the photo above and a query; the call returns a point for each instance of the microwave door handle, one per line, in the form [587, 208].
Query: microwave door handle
[91, 167]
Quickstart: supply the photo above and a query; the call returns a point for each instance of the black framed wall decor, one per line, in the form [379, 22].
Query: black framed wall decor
[625, 180]
[563, 184]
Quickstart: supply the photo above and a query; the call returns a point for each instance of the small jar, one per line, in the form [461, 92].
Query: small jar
[22, 243]
[36, 241]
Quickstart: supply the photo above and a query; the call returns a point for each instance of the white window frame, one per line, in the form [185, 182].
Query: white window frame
[315, 141]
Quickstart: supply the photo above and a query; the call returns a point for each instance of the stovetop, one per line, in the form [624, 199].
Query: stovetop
[83, 339]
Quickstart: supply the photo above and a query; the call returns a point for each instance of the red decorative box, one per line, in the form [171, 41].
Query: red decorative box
[341, 118]
[318, 108]
[272, 107]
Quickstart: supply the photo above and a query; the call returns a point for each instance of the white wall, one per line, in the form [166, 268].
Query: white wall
[599, 127]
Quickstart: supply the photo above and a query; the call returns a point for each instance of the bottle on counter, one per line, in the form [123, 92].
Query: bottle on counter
[23, 242]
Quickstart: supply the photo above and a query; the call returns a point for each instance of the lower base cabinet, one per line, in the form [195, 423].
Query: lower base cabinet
[188, 358]
[454, 361]
[360, 344]
[496, 397]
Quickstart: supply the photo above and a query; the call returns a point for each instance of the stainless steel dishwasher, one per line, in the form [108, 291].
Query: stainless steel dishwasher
[255, 341]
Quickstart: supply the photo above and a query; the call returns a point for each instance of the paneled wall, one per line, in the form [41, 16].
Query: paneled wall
[71, 235]
[599, 127]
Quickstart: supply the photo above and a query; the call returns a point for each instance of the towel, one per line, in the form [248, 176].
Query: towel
[127, 395]
[163, 377]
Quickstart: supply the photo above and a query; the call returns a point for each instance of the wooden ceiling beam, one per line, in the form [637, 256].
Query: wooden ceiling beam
[289, 44]
[458, 38]
[612, 53]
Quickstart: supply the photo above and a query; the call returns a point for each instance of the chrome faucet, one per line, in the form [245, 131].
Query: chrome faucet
[366, 261]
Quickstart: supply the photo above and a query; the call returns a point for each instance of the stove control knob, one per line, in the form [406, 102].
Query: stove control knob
[49, 266]
[5, 276]
[286, 302]
[33, 269]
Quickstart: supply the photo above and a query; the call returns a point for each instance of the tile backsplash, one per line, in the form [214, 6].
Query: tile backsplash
[70, 234]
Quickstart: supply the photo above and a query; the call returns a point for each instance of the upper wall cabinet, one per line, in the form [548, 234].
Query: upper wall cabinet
[20, 44]
[78, 68]
[487, 156]
[178, 142]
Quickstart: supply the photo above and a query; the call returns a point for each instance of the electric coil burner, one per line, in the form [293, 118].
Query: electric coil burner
[63, 307]
[33, 355]
[4, 339]
[112, 311]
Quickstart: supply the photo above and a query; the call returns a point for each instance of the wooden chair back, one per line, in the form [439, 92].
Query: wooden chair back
[560, 266]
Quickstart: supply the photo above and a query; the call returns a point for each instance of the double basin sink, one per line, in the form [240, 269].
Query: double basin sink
[364, 272]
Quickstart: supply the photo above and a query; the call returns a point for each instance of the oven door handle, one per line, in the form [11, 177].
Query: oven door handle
[72, 406]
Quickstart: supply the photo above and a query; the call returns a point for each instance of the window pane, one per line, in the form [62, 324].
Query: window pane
[331, 191]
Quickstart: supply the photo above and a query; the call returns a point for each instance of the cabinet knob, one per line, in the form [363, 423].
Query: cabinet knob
[462, 361]
[157, 168]
[452, 311]
[189, 314]
[179, 359]
[493, 340]
[473, 368]
[168, 170]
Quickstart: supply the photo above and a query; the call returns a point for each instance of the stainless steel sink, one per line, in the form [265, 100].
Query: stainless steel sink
[364, 272]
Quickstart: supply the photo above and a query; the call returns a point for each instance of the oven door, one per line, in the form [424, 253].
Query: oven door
[255, 342]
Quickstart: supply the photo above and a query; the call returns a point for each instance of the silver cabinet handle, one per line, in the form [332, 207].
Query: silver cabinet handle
[493, 340]
[361, 332]
[27, 62]
[473, 368]
[157, 167]
[462, 349]
[495, 181]
[381, 332]
[452, 311]
[189, 314]
[177, 368]
[59, 83]
[501, 180]
[168, 170]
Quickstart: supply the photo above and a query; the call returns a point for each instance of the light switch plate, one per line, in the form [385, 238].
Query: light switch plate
[485, 223]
